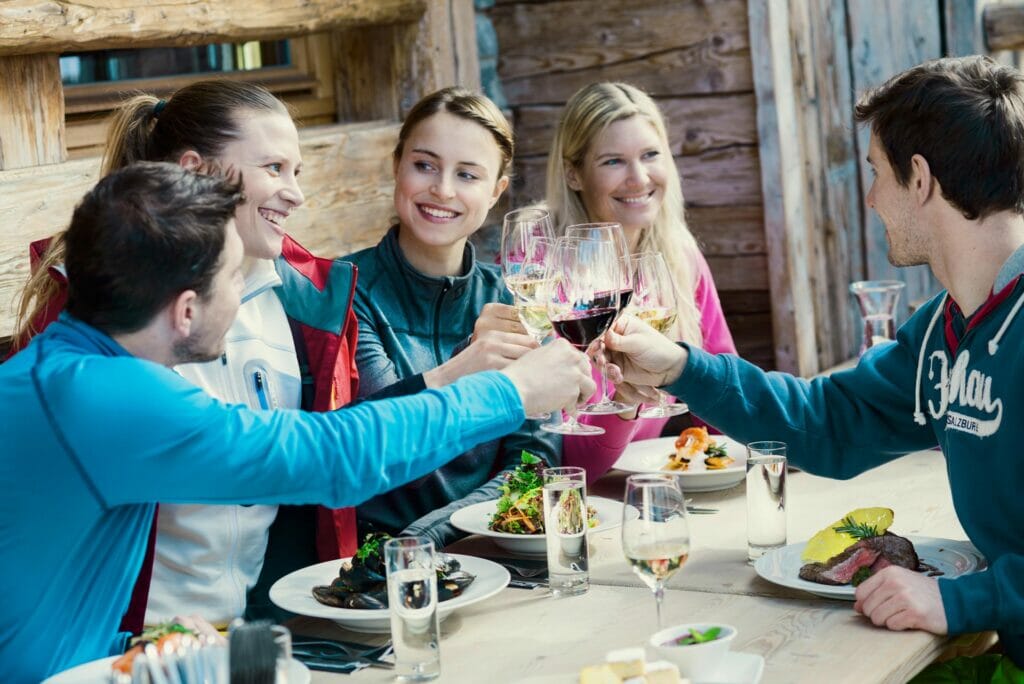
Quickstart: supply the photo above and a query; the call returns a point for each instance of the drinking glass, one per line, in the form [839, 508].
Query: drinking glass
[612, 234]
[876, 301]
[517, 230]
[656, 544]
[565, 530]
[581, 302]
[529, 290]
[412, 602]
[766, 497]
[654, 301]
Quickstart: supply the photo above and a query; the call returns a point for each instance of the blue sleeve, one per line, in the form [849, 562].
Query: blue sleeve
[993, 599]
[172, 443]
[836, 426]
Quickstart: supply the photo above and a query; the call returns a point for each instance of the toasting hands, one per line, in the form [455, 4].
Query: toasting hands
[551, 378]
[642, 359]
[498, 339]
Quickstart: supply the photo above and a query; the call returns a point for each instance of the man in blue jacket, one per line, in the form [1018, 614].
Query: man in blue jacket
[947, 150]
[97, 428]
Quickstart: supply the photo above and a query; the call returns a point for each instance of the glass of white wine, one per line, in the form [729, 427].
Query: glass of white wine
[518, 229]
[656, 544]
[654, 302]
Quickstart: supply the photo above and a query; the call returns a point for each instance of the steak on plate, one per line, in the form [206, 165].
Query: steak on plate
[874, 553]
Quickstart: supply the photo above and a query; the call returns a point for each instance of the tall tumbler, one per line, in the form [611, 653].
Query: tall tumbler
[876, 302]
[412, 601]
[565, 530]
[766, 497]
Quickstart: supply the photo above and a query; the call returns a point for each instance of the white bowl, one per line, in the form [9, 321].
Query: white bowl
[696, 661]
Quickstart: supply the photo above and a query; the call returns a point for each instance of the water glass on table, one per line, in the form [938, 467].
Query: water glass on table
[766, 497]
[565, 530]
[412, 602]
[876, 303]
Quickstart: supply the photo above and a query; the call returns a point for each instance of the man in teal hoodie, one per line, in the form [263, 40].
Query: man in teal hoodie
[947, 151]
[96, 427]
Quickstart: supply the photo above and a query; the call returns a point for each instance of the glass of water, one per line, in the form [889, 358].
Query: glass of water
[565, 530]
[876, 302]
[412, 601]
[766, 497]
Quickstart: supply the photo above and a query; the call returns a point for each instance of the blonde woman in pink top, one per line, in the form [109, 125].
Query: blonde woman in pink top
[610, 161]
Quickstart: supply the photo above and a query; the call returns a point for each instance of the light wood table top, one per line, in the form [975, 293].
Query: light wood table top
[524, 635]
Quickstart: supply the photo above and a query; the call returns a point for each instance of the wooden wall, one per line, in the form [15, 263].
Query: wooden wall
[386, 54]
[693, 58]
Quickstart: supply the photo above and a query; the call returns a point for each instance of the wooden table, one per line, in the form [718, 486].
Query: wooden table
[520, 634]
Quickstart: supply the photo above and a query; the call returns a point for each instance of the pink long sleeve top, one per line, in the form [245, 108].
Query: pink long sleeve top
[598, 453]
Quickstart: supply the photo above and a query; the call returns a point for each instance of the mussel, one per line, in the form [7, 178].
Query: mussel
[452, 584]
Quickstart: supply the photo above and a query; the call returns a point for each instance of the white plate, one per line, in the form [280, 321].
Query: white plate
[736, 668]
[294, 592]
[651, 455]
[476, 518]
[953, 558]
[98, 672]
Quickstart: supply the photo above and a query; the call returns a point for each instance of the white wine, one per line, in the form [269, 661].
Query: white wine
[535, 319]
[657, 562]
[527, 287]
[661, 319]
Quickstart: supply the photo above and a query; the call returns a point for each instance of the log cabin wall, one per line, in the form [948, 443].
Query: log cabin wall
[693, 58]
[381, 55]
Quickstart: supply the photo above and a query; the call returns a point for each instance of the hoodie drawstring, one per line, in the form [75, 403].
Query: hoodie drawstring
[993, 344]
[919, 417]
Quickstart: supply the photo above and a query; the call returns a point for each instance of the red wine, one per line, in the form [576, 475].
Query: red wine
[583, 327]
[604, 299]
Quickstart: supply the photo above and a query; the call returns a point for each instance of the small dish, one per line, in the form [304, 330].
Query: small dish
[695, 661]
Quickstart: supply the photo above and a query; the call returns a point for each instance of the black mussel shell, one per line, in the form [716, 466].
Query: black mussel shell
[328, 597]
[358, 578]
[372, 600]
[452, 585]
[446, 565]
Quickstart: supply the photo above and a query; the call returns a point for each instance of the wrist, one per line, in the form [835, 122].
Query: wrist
[679, 365]
[434, 378]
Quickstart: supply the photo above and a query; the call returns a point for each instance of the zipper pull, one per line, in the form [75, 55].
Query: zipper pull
[261, 390]
[224, 359]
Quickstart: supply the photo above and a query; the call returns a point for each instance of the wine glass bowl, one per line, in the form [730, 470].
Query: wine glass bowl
[657, 543]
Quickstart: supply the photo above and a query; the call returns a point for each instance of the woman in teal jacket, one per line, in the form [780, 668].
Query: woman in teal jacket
[429, 312]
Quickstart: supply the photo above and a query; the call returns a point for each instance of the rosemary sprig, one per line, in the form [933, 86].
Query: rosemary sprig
[856, 530]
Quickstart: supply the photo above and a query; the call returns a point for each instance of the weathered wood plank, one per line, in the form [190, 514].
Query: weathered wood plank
[728, 230]
[1004, 26]
[718, 177]
[746, 302]
[784, 184]
[32, 111]
[745, 272]
[34, 26]
[347, 181]
[695, 124]
[889, 36]
[667, 47]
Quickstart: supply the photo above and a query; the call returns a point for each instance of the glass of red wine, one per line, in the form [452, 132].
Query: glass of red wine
[612, 234]
[582, 301]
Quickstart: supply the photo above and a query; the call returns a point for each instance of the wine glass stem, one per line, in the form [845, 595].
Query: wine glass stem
[659, 593]
[662, 400]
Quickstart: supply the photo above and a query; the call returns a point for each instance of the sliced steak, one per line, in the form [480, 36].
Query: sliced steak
[874, 553]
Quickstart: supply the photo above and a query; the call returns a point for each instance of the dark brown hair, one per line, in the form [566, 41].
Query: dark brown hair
[465, 104]
[142, 236]
[965, 116]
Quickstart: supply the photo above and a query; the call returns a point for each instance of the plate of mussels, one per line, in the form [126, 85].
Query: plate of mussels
[353, 591]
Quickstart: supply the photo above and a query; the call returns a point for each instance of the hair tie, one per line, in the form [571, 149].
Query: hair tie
[159, 107]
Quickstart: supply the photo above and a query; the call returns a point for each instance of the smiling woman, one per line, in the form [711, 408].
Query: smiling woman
[290, 345]
[429, 312]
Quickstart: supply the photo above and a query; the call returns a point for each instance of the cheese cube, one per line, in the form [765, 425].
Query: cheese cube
[662, 672]
[626, 662]
[599, 674]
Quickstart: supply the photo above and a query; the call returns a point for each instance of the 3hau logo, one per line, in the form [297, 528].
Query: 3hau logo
[960, 387]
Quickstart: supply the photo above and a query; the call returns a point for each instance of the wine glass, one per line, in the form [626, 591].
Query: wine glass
[581, 302]
[517, 229]
[529, 291]
[613, 234]
[654, 301]
[657, 543]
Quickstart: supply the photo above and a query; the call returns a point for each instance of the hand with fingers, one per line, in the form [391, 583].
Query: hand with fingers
[898, 598]
[640, 359]
[553, 377]
[497, 341]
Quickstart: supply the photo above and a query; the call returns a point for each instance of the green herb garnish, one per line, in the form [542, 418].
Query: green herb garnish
[696, 637]
[861, 575]
[716, 450]
[371, 546]
[857, 530]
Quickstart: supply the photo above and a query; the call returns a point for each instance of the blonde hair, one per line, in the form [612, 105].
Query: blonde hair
[586, 115]
[202, 116]
[468, 105]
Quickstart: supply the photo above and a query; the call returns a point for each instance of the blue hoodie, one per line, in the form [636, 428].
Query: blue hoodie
[93, 437]
[946, 380]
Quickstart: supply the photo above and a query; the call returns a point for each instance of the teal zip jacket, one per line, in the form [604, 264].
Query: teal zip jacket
[410, 323]
[93, 437]
[947, 380]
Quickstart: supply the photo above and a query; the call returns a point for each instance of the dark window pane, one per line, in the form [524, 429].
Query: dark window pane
[119, 65]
